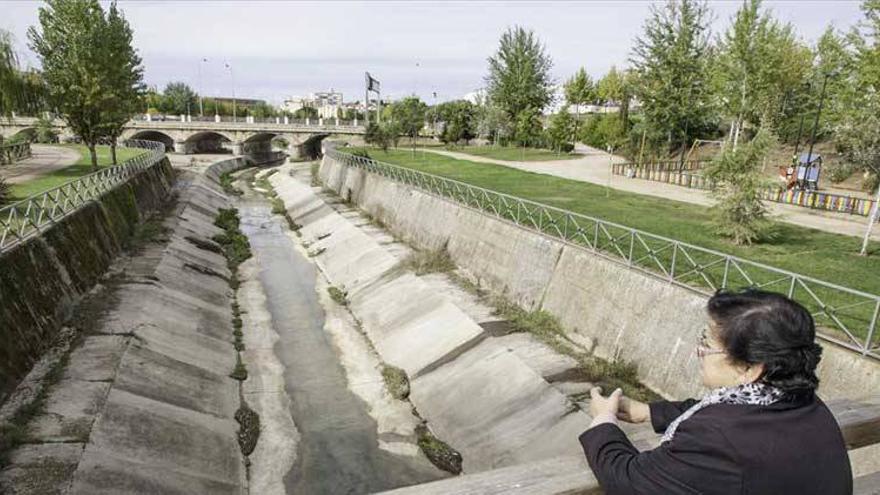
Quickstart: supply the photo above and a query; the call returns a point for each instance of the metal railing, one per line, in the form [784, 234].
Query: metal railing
[815, 200]
[29, 217]
[843, 315]
[10, 153]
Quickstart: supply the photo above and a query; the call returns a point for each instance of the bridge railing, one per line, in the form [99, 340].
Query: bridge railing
[26, 218]
[845, 316]
[10, 153]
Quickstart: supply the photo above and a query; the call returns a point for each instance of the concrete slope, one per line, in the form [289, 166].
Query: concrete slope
[476, 394]
[145, 404]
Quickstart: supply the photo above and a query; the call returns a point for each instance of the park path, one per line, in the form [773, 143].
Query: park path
[595, 167]
[44, 159]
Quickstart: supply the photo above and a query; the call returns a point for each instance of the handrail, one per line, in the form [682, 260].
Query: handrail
[28, 217]
[839, 203]
[845, 316]
[12, 152]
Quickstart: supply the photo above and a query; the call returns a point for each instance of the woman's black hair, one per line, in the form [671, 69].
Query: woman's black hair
[771, 329]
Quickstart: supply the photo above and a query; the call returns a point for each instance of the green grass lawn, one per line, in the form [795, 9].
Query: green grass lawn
[80, 168]
[830, 257]
[510, 153]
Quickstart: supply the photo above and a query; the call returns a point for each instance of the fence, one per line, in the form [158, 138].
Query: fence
[10, 153]
[845, 316]
[26, 218]
[808, 199]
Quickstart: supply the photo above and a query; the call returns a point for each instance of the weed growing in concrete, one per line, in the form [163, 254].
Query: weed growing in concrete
[437, 451]
[338, 295]
[235, 244]
[316, 252]
[424, 262]
[396, 381]
[240, 371]
[278, 207]
[546, 327]
[226, 181]
[249, 428]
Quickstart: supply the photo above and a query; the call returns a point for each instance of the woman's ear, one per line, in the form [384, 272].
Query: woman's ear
[752, 372]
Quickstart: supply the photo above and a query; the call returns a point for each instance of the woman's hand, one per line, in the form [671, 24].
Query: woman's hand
[633, 411]
[604, 406]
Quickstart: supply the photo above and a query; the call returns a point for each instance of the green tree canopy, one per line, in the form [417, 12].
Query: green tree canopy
[69, 44]
[519, 74]
[671, 60]
[458, 119]
[124, 76]
[179, 99]
[409, 115]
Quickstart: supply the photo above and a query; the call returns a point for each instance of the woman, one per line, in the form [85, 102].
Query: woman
[761, 430]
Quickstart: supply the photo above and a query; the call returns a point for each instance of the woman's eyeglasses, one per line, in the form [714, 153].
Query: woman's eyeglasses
[703, 348]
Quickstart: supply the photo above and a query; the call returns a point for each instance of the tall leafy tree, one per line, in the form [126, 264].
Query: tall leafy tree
[579, 90]
[494, 124]
[671, 60]
[560, 132]
[20, 91]
[409, 114]
[519, 80]
[179, 98]
[458, 118]
[68, 42]
[857, 132]
[760, 63]
[615, 87]
[124, 76]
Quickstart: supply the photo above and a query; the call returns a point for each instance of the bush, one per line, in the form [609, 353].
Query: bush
[5, 192]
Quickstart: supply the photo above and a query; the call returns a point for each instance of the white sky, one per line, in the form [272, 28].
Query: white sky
[281, 48]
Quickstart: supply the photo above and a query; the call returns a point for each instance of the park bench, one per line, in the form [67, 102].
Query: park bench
[859, 420]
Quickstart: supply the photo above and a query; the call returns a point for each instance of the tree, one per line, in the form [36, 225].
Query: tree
[10, 87]
[124, 76]
[737, 184]
[179, 99]
[458, 118]
[528, 129]
[69, 46]
[857, 132]
[760, 63]
[45, 131]
[560, 132]
[409, 114]
[306, 113]
[519, 75]
[579, 90]
[671, 61]
[494, 124]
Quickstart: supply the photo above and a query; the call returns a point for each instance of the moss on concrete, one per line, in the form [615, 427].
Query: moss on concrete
[42, 278]
[396, 381]
[437, 451]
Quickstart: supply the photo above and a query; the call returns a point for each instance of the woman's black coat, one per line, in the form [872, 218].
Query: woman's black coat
[788, 447]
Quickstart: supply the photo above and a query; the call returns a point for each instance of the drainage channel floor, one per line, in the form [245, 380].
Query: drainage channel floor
[338, 452]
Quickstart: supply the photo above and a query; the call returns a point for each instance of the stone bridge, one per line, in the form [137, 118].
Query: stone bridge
[245, 136]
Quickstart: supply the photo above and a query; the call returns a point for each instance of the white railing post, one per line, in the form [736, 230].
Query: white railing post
[286, 120]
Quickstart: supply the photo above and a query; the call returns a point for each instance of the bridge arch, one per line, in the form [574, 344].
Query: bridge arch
[161, 137]
[205, 142]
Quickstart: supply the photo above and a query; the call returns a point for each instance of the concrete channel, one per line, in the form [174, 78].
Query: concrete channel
[338, 450]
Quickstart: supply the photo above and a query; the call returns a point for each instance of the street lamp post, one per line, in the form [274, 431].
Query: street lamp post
[201, 106]
[232, 78]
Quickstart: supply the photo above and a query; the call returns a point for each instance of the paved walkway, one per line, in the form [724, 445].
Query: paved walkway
[595, 167]
[44, 159]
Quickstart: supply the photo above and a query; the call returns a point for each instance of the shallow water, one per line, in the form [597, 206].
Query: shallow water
[338, 452]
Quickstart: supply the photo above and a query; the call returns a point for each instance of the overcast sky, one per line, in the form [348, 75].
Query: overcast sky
[282, 48]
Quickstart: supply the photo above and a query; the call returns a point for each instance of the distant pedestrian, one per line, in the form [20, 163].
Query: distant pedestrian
[761, 430]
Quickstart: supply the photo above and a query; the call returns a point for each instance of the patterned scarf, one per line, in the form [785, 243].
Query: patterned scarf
[756, 394]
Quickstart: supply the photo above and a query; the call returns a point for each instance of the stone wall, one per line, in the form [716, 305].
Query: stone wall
[42, 279]
[625, 313]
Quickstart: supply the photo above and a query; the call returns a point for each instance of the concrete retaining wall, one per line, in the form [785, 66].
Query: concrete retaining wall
[626, 313]
[43, 278]
[474, 390]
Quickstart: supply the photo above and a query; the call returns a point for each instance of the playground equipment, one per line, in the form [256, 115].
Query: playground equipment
[808, 168]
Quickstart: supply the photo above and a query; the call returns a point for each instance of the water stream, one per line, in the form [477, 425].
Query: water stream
[339, 450]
